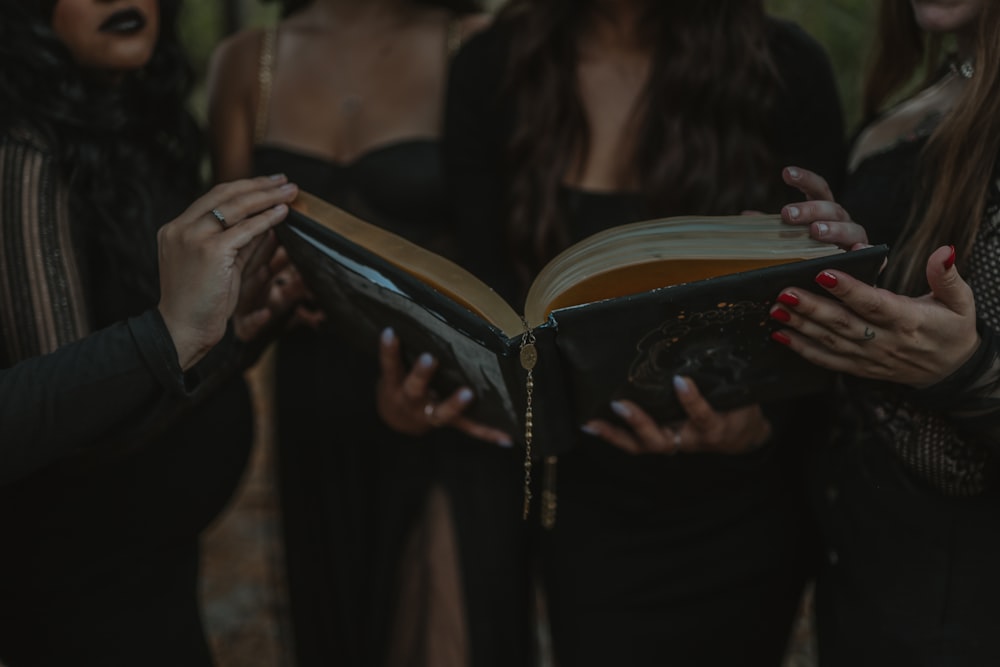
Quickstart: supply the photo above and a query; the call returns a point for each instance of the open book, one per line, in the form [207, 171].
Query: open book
[617, 315]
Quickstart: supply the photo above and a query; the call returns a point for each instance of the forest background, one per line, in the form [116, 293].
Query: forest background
[842, 26]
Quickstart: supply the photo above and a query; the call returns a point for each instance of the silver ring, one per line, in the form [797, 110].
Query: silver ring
[218, 216]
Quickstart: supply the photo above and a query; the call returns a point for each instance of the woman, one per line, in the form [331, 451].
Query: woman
[566, 118]
[125, 419]
[906, 491]
[346, 97]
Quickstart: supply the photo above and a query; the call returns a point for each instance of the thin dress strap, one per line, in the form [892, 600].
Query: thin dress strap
[453, 36]
[265, 75]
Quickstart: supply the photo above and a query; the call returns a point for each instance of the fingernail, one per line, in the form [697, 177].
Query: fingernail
[788, 299]
[950, 262]
[388, 335]
[425, 360]
[680, 384]
[504, 442]
[280, 208]
[793, 212]
[621, 409]
[779, 337]
[288, 187]
[780, 315]
[822, 229]
[276, 177]
[827, 280]
[589, 430]
[793, 172]
[465, 394]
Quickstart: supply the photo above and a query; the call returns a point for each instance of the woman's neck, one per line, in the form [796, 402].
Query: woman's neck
[351, 12]
[615, 24]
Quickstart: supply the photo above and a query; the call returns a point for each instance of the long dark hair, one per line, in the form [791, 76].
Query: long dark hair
[111, 142]
[959, 161]
[289, 7]
[702, 140]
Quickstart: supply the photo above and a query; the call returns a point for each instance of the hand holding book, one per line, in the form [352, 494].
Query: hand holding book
[406, 402]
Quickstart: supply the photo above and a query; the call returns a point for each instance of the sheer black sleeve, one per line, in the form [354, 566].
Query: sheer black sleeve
[64, 387]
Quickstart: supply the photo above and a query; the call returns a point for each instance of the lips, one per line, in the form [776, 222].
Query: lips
[125, 22]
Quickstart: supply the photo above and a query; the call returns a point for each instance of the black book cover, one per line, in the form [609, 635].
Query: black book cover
[716, 331]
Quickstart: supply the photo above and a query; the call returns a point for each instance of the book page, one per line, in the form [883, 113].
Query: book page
[439, 272]
[638, 257]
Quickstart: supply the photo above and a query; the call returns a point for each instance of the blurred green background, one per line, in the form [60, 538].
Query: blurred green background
[842, 26]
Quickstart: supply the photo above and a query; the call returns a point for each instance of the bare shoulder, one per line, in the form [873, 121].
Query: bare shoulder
[236, 58]
[470, 24]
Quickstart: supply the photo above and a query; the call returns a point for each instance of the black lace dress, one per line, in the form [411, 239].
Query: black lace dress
[907, 494]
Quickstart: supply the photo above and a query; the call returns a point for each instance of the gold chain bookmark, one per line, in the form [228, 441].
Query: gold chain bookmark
[529, 357]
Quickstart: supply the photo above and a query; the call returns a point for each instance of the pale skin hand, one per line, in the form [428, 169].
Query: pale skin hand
[877, 334]
[706, 430]
[202, 265]
[827, 220]
[402, 398]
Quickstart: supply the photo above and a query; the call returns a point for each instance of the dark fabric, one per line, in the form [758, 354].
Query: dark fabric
[909, 576]
[350, 488]
[119, 460]
[907, 567]
[686, 560]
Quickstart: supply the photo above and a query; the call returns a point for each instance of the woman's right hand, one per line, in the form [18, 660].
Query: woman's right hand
[827, 220]
[406, 404]
[203, 254]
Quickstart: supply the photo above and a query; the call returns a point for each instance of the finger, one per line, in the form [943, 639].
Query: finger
[222, 193]
[809, 212]
[245, 205]
[390, 359]
[701, 415]
[872, 304]
[820, 354]
[416, 384]
[256, 256]
[947, 285]
[650, 435]
[618, 437]
[240, 235]
[482, 432]
[450, 408]
[827, 321]
[809, 183]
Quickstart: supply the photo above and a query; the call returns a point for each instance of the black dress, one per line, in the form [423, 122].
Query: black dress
[114, 460]
[692, 559]
[906, 492]
[350, 488]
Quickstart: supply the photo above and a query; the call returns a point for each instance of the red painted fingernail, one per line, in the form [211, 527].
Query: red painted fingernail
[950, 262]
[827, 280]
[788, 299]
[779, 337]
[780, 315]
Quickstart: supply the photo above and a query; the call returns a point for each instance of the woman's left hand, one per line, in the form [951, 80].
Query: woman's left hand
[706, 430]
[877, 334]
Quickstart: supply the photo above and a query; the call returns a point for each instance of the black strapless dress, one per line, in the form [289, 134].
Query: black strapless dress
[351, 489]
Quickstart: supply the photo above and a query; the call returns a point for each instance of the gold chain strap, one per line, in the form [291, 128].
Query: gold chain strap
[529, 357]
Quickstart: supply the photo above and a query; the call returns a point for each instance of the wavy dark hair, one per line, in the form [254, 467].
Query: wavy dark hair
[116, 145]
[289, 7]
[702, 140]
[960, 159]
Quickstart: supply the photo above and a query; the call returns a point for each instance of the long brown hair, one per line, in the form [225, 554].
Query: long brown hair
[958, 163]
[703, 138]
